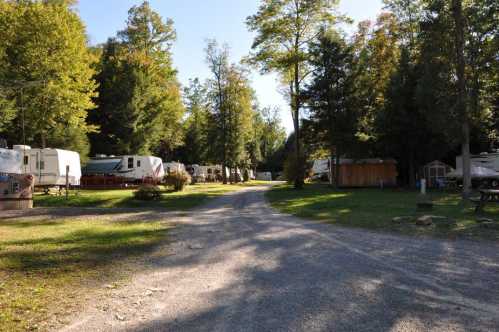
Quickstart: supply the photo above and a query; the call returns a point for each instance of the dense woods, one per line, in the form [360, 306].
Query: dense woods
[417, 84]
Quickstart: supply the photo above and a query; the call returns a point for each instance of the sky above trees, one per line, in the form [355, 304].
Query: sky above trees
[197, 20]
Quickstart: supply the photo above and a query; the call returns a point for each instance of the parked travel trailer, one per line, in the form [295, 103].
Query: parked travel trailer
[133, 168]
[320, 169]
[484, 169]
[206, 173]
[48, 166]
[487, 160]
[173, 166]
[264, 176]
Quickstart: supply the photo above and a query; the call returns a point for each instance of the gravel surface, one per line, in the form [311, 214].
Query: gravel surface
[237, 265]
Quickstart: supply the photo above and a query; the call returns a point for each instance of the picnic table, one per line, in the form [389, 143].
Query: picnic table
[486, 196]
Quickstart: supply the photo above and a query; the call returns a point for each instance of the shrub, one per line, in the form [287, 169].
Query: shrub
[147, 192]
[246, 176]
[178, 180]
[294, 167]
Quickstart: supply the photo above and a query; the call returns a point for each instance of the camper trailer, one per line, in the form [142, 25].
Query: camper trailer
[48, 166]
[484, 169]
[132, 168]
[211, 173]
[173, 167]
[484, 159]
[10, 161]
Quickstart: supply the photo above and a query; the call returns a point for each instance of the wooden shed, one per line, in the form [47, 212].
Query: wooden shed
[435, 173]
[368, 172]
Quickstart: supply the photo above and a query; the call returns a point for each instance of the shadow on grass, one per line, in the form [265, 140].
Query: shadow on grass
[125, 199]
[83, 247]
[375, 209]
[308, 276]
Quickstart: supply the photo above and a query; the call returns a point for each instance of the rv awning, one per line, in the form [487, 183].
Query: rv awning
[477, 172]
[101, 167]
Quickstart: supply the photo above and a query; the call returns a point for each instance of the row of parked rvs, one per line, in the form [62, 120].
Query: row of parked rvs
[55, 167]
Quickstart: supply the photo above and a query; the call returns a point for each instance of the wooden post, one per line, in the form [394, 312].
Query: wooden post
[67, 181]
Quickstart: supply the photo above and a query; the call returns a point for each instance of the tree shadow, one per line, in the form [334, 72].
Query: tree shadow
[82, 248]
[306, 276]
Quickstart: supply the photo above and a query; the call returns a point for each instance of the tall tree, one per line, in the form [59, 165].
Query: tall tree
[232, 102]
[284, 30]
[218, 63]
[46, 73]
[330, 96]
[140, 106]
[457, 11]
[377, 53]
[196, 124]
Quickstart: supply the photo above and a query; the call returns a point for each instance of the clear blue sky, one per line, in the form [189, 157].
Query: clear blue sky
[197, 20]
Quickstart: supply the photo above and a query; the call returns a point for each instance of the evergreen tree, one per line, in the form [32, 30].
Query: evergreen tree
[330, 96]
[140, 106]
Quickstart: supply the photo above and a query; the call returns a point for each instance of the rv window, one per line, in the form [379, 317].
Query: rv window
[26, 158]
[138, 163]
[130, 162]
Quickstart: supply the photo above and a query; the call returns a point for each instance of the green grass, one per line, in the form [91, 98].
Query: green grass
[191, 197]
[47, 265]
[375, 209]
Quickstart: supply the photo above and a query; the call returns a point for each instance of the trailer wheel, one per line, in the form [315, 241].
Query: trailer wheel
[494, 183]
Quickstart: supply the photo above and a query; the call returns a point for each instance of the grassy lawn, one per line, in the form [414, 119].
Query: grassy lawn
[192, 196]
[47, 265]
[375, 209]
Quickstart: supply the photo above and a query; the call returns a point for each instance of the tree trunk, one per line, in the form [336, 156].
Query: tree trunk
[457, 9]
[43, 140]
[337, 170]
[296, 122]
[412, 171]
[466, 160]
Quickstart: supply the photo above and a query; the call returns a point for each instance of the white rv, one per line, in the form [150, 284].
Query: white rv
[173, 166]
[133, 167]
[10, 161]
[320, 168]
[48, 166]
[206, 173]
[487, 160]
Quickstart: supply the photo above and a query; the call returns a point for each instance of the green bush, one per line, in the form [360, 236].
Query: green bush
[147, 192]
[178, 180]
[293, 167]
[246, 177]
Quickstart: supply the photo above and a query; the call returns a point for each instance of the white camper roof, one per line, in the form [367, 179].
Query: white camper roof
[10, 161]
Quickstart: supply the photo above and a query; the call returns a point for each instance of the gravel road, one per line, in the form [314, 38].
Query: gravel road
[238, 265]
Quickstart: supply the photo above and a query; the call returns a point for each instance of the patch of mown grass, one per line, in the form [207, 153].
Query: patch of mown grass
[375, 209]
[191, 197]
[45, 266]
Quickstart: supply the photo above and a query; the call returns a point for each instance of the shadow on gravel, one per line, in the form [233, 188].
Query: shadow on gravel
[314, 277]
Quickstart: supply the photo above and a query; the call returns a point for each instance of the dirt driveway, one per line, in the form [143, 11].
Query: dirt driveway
[237, 265]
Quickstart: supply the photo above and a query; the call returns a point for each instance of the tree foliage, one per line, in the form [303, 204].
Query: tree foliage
[45, 74]
[139, 104]
[284, 29]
